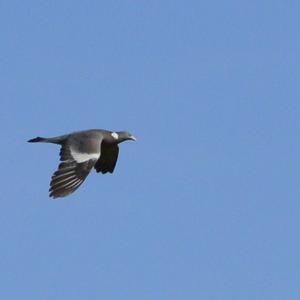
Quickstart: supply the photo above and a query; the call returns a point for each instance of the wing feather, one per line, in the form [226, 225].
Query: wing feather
[76, 164]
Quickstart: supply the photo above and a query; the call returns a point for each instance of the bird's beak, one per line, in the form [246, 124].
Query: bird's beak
[132, 138]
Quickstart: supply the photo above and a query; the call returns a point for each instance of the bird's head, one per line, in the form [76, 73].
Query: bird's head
[121, 136]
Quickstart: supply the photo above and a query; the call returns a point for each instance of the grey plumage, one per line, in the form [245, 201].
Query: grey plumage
[80, 152]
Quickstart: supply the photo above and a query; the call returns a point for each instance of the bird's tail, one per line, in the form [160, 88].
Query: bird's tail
[54, 140]
[38, 140]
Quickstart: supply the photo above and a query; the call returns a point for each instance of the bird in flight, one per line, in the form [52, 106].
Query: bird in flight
[80, 152]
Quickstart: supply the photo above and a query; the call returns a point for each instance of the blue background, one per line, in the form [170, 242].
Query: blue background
[205, 205]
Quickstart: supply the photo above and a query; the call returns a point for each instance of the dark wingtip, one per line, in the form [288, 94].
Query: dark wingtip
[36, 140]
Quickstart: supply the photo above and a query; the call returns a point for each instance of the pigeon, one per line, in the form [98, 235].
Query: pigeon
[80, 152]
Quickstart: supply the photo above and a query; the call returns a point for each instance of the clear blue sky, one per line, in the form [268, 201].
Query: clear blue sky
[205, 205]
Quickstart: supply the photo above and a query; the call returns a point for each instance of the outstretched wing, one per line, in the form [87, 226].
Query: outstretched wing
[77, 161]
[69, 176]
[108, 159]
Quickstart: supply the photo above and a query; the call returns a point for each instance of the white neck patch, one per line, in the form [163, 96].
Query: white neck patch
[115, 135]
